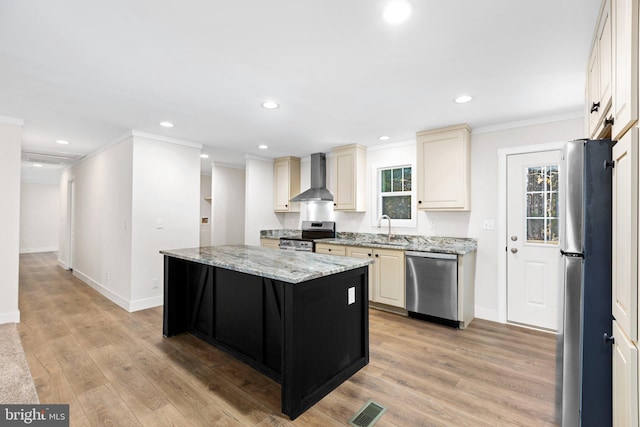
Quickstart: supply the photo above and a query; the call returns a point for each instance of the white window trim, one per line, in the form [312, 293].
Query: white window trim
[376, 177]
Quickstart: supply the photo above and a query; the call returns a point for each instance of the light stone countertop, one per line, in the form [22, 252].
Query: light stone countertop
[287, 266]
[448, 245]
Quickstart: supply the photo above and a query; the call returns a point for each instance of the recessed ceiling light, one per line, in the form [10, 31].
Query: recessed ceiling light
[37, 165]
[62, 141]
[204, 155]
[384, 137]
[263, 147]
[166, 124]
[270, 105]
[463, 99]
[396, 12]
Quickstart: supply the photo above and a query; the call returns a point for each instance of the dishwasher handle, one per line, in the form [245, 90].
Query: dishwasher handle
[434, 255]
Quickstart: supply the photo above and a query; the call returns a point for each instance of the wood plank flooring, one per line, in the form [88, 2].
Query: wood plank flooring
[115, 368]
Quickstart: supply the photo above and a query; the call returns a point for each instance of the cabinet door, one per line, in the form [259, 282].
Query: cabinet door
[625, 65]
[270, 243]
[625, 234]
[444, 169]
[389, 271]
[605, 62]
[625, 380]
[349, 178]
[593, 90]
[286, 183]
[365, 253]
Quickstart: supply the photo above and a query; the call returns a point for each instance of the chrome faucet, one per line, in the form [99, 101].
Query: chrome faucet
[380, 224]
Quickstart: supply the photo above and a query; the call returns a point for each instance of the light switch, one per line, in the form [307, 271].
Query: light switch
[488, 224]
[160, 223]
[351, 296]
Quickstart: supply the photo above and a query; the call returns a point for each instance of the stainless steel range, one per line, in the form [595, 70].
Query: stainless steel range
[311, 231]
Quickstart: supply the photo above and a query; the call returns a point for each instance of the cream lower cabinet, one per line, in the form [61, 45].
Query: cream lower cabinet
[625, 380]
[386, 274]
[270, 243]
[326, 248]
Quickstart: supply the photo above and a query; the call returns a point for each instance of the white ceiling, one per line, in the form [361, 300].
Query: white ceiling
[89, 71]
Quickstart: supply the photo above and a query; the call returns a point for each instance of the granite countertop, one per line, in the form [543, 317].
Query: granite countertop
[447, 245]
[287, 266]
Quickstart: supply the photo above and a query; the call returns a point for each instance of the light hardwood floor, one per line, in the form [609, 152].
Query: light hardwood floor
[115, 368]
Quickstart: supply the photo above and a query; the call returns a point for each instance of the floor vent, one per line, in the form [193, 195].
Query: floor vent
[368, 415]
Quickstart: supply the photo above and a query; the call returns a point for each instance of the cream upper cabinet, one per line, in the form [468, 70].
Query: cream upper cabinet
[599, 74]
[444, 169]
[349, 178]
[386, 274]
[624, 278]
[286, 183]
[625, 380]
[625, 65]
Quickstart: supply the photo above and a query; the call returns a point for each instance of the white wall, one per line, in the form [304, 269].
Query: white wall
[10, 145]
[39, 220]
[121, 192]
[484, 197]
[205, 209]
[228, 205]
[259, 213]
[166, 189]
[102, 248]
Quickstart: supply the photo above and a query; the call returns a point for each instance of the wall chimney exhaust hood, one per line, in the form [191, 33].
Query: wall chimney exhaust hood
[318, 191]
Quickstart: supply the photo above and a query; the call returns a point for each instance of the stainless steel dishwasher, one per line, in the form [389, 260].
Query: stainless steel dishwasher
[432, 286]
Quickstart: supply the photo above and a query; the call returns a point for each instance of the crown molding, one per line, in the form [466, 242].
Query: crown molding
[570, 115]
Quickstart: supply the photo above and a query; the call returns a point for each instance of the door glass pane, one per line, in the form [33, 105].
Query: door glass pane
[541, 208]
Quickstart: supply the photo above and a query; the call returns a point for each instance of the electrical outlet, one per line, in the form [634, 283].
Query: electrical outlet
[433, 224]
[351, 296]
[160, 223]
[154, 284]
[106, 277]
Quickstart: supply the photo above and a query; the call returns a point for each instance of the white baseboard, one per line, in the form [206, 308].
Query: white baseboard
[487, 313]
[143, 304]
[130, 306]
[34, 250]
[12, 317]
[111, 296]
[62, 265]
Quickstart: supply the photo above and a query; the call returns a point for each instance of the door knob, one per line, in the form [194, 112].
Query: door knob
[514, 250]
[514, 238]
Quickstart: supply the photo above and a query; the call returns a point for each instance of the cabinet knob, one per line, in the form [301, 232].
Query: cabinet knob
[514, 250]
[377, 255]
[329, 249]
[595, 107]
[286, 206]
[609, 122]
[607, 339]
[608, 164]
[335, 204]
[419, 201]
[370, 254]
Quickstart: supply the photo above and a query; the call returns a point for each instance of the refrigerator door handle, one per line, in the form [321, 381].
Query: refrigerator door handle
[571, 254]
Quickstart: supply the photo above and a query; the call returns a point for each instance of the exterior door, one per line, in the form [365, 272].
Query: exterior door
[533, 239]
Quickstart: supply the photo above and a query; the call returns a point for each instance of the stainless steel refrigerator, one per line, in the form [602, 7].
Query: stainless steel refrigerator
[583, 356]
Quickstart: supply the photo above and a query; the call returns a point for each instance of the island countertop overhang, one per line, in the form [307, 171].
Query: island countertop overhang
[286, 266]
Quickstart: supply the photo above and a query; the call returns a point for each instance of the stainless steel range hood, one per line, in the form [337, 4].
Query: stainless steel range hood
[318, 191]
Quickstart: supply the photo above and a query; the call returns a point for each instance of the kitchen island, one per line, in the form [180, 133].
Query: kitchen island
[300, 318]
